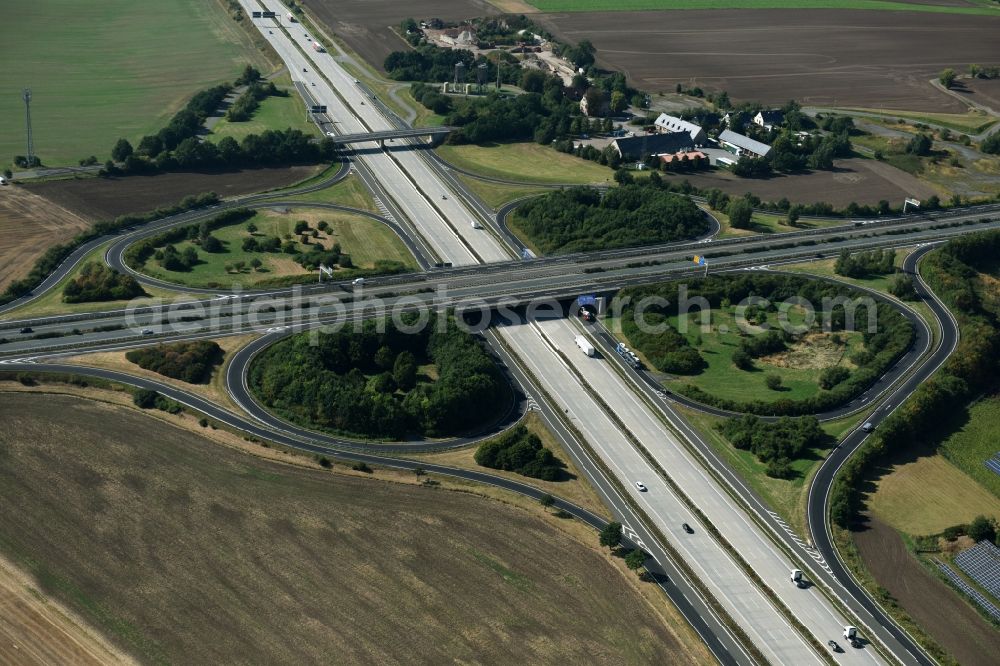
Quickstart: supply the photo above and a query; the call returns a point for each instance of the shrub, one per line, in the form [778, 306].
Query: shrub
[773, 381]
[830, 377]
[98, 282]
[144, 398]
[191, 362]
[520, 451]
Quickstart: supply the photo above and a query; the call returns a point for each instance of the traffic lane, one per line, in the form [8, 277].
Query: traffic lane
[819, 491]
[703, 619]
[415, 206]
[809, 606]
[730, 586]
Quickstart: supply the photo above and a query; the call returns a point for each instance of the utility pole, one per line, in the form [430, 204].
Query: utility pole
[26, 96]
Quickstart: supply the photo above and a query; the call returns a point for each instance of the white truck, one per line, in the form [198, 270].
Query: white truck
[291, 18]
[584, 345]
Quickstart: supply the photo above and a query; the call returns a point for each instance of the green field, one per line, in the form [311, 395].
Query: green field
[347, 192]
[526, 162]
[976, 442]
[497, 194]
[366, 240]
[274, 113]
[768, 223]
[925, 494]
[721, 378]
[650, 5]
[103, 70]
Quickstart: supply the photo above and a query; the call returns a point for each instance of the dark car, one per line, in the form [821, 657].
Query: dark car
[833, 646]
[687, 528]
[27, 329]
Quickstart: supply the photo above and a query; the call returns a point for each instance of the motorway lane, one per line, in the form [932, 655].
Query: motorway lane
[809, 606]
[414, 204]
[515, 281]
[755, 614]
[449, 211]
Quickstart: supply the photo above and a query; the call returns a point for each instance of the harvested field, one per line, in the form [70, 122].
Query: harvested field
[855, 179]
[367, 27]
[29, 225]
[37, 631]
[982, 91]
[106, 198]
[935, 607]
[222, 557]
[819, 57]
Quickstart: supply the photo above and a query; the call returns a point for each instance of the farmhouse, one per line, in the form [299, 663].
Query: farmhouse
[769, 119]
[641, 147]
[743, 145]
[667, 123]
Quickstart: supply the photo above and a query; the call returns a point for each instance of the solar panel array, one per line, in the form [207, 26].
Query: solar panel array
[973, 593]
[981, 563]
[994, 462]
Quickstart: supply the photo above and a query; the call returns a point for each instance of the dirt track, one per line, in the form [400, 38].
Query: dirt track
[819, 57]
[935, 607]
[859, 180]
[106, 198]
[29, 225]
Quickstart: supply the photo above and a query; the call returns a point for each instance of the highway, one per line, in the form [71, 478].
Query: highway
[750, 607]
[777, 636]
[683, 486]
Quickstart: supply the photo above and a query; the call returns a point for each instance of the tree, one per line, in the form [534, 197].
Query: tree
[982, 529]
[635, 559]
[300, 227]
[617, 103]
[611, 535]
[623, 177]
[773, 381]
[546, 500]
[742, 360]
[947, 77]
[740, 213]
[256, 263]
[901, 286]
[833, 375]
[991, 144]
[919, 145]
[404, 370]
[595, 102]
[793, 216]
[121, 150]
[211, 244]
[251, 228]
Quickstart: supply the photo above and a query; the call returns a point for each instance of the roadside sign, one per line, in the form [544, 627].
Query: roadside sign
[268, 14]
[586, 300]
[318, 108]
[255, 14]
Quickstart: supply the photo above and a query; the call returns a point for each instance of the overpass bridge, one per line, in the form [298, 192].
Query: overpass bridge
[436, 134]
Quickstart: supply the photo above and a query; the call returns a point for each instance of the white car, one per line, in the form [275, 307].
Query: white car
[358, 282]
[641, 486]
[868, 427]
